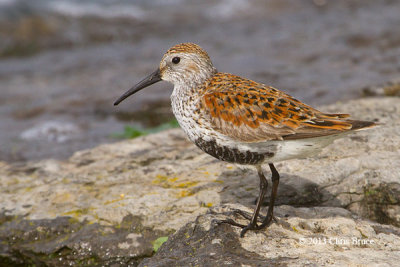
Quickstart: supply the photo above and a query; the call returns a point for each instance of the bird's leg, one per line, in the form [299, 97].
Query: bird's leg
[274, 192]
[263, 190]
[253, 219]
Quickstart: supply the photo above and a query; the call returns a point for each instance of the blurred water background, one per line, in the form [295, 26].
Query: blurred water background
[64, 62]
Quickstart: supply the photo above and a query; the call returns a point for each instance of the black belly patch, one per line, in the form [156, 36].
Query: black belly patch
[230, 154]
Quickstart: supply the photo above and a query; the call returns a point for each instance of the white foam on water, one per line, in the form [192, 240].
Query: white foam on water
[226, 9]
[52, 131]
[73, 9]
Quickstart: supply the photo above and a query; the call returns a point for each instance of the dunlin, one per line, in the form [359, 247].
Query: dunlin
[241, 121]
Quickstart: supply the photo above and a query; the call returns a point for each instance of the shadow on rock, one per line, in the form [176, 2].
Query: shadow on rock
[381, 203]
[242, 187]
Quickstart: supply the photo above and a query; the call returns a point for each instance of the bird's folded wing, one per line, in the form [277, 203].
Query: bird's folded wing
[247, 111]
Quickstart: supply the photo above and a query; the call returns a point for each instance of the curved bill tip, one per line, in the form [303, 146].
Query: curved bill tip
[149, 80]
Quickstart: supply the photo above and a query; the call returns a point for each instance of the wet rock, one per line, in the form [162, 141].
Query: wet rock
[391, 88]
[64, 241]
[137, 191]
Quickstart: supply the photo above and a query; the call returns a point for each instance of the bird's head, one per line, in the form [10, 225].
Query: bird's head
[185, 64]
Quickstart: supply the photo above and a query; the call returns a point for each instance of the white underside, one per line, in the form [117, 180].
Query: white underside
[292, 149]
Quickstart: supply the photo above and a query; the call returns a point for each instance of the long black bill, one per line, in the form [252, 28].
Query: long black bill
[149, 80]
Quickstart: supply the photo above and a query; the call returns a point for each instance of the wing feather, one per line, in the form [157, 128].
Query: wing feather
[252, 112]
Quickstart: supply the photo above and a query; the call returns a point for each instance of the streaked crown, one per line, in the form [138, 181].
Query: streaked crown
[188, 48]
[186, 64]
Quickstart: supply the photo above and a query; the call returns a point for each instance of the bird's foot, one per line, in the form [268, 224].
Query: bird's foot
[231, 222]
[244, 214]
[245, 228]
[248, 216]
[235, 212]
[266, 221]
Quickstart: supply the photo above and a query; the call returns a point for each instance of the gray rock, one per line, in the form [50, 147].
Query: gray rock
[158, 184]
[308, 237]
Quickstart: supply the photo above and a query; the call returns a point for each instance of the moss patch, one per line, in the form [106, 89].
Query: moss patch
[378, 199]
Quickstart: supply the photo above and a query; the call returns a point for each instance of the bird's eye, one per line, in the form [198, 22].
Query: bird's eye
[176, 60]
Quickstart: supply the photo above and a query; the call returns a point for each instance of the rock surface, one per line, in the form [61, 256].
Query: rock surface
[309, 236]
[110, 204]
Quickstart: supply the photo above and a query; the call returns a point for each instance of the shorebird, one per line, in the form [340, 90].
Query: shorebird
[241, 121]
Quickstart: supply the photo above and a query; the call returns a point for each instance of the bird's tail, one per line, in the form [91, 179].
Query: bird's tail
[361, 125]
[341, 120]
